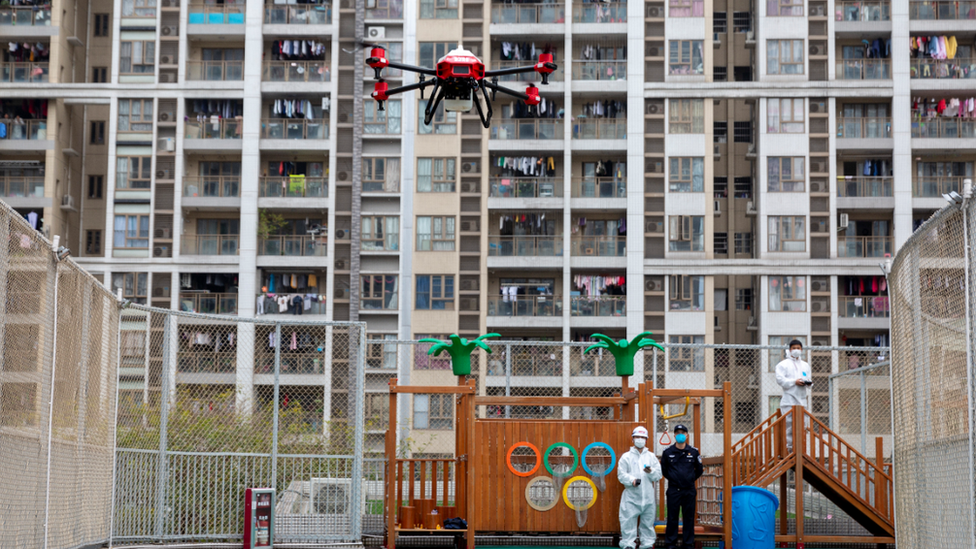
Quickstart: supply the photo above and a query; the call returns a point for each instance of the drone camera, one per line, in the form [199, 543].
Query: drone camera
[462, 103]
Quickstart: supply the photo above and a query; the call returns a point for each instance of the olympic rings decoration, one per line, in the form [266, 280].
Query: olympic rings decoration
[530, 446]
[528, 494]
[566, 493]
[613, 458]
[545, 459]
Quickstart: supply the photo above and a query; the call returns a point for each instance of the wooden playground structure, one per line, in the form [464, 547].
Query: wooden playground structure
[492, 498]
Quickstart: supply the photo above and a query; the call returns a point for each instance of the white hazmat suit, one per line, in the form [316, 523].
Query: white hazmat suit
[638, 501]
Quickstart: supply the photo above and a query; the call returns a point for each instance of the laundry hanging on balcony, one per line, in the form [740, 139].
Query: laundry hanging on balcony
[26, 52]
[597, 285]
[526, 225]
[546, 108]
[605, 109]
[934, 47]
[292, 108]
[526, 51]
[527, 166]
[930, 107]
[223, 108]
[291, 50]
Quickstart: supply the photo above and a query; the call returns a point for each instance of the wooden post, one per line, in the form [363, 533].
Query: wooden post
[799, 442]
[627, 411]
[470, 451]
[880, 484]
[391, 467]
[460, 444]
[727, 463]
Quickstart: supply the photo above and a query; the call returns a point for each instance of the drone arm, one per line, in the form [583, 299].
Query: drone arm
[409, 87]
[505, 90]
[512, 70]
[432, 105]
[412, 68]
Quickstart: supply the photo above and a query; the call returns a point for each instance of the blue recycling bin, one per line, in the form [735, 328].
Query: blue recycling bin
[753, 518]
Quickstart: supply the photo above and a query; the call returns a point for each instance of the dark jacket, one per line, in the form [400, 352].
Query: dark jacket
[681, 467]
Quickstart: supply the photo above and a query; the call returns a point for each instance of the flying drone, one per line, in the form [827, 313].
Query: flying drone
[456, 80]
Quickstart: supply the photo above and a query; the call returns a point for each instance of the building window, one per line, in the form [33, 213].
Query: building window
[742, 74]
[687, 175]
[435, 412]
[686, 8]
[742, 131]
[99, 75]
[101, 24]
[435, 292]
[430, 52]
[784, 8]
[135, 115]
[423, 361]
[442, 123]
[436, 175]
[787, 234]
[685, 359]
[721, 243]
[743, 243]
[139, 8]
[720, 22]
[687, 293]
[381, 175]
[133, 286]
[687, 233]
[787, 293]
[686, 116]
[438, 9]
[786, 174]
[720, 187]
[131, 231]
[720, 131]
[379, 292]
[743, 299]
[742, 187]
[385, 122]
[95, 186]
[685, 57]
[137, 57]
[784, 57]
[97, 135]
[741, 21]
[93, 242]
[134, 172]
[380, 234]
[785, 115]
[435, 234]
[777, 355]
[720, 74]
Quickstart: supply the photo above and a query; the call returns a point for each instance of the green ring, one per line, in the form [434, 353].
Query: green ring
[545, 459]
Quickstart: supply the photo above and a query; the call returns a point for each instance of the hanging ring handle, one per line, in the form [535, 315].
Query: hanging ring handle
[672, 416]
[665, 438]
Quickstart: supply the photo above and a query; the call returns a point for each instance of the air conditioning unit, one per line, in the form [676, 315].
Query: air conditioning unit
[67, 202]
[820, 286]
[820, 306]
[653, 51]
[716, 39]
[161, 292]
[469, 187]
[167, 144]
[842, 221]
[340, 264]
[170, 30]
[652, 108]
[751, 384]
[469, 285]
[343, 117]
[339, 294]
[167, 77]
[654, 227]
[166, 116]
[341, 234]
[162, 233]
[817, 10]
[818, 186]
[718, 207]
[818, 166]
[655, 167]
[654, 11]
[654, 284]
[815, 49]
[375, 33]
[750, 36]
[469, 226]
[469, 167]
[751, 207]
[161, 251]
[342, 176]
[717, 151]
[752, 323]
[819, 343]
[752, 150]
[167, 60]
[164, 174]
[814, 106]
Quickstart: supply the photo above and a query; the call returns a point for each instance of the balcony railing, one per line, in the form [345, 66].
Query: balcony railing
[864, 69]
[603, 246]
[600, 70]
[864, 246]
[556, 76]
[207, 303]
[606, 305]
[600, 128]
[212, 187]
[525, 305]
[941, 9]
[958, 68]
[934, 186]
[207, 362]
[292, 362]
[294, 128]
[22, 187]
[612, 12]
[320, 14]
[26, 129]
[296, 71]
[20, 73]
[386, 9]
[864, 187]
[964, 128]
[527, 128]
[294, 187]
[525, 246]
[599, 187]
[216, 14]
[215, 71]
[25, 16]
[295, 246]
[510, 14]
[864, 306]
[224, 128]
[525, 187]
[856, 10]
[863, 127]
[211, 244]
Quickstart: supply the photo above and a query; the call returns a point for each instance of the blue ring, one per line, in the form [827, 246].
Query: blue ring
[613, 458]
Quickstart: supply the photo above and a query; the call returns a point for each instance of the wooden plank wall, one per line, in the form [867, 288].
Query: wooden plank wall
[500, 504]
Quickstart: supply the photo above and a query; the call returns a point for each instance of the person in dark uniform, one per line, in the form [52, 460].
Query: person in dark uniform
[681, 464]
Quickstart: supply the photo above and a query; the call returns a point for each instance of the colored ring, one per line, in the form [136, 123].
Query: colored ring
[613, 458]
[531, 446]
[566, 493]
[545, 459]
[528, 489]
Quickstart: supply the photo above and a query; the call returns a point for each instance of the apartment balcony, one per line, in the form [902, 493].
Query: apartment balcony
[865, 193]
[856, 247]
[937, 133]
[385, 10]
[527, 14]
[282, 250]
[208, 303]
[600, 76]
[215, 193]
[295, 76]
[863, 69]
[601, 13]
[555, 79]
[222, 248]
[864, 133]
[599, 246]
[603, 311]
[298, 19]
[26, 22]
[24, 191]
[933, 74]
[927, 190]
[525, 193]
[525, 311]
[207, 20]
[856, 18]
[600, 134]
[24, 73]
[27, 135]
[544, 134]
[941, 16]
[288, 134]
[213, 135]
[215, 71]
[866, 312]
[293, 192]
[599, 193]
[525, 251]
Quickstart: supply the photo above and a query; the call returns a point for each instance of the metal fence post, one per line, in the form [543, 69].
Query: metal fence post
[864, 414]
[356, 493]
[50, 411]
[163, 467]
[274, 413]
[508, 378]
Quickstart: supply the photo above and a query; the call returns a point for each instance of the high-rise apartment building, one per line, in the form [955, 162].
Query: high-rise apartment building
[716, 171]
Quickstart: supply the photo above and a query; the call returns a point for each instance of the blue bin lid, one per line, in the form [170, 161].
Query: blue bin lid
[753, 489]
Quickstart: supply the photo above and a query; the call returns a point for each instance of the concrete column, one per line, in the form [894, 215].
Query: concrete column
[901, 123]
[635, 179]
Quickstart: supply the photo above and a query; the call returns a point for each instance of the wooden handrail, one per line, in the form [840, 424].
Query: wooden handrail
[815, 421]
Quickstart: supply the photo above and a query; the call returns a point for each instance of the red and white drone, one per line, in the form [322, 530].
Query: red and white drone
[458, 77]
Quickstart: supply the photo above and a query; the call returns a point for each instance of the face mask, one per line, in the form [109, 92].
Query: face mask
[795, 353]
[639, 443]
[680, 439]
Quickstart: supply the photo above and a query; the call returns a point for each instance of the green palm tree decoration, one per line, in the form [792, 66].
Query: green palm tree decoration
[460, 350]
[623, 351]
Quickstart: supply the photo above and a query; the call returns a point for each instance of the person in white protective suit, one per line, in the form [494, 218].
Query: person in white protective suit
[638, 471]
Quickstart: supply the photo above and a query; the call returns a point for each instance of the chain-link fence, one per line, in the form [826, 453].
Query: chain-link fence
[933, 381]
[209, 406]
[59, 334]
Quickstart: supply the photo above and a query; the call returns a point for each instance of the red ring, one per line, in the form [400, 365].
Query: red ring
[538, 459]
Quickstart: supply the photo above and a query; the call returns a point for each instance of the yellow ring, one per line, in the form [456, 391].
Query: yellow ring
[566, 493]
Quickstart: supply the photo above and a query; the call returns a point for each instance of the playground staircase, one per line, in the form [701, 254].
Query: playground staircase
[860, 487]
